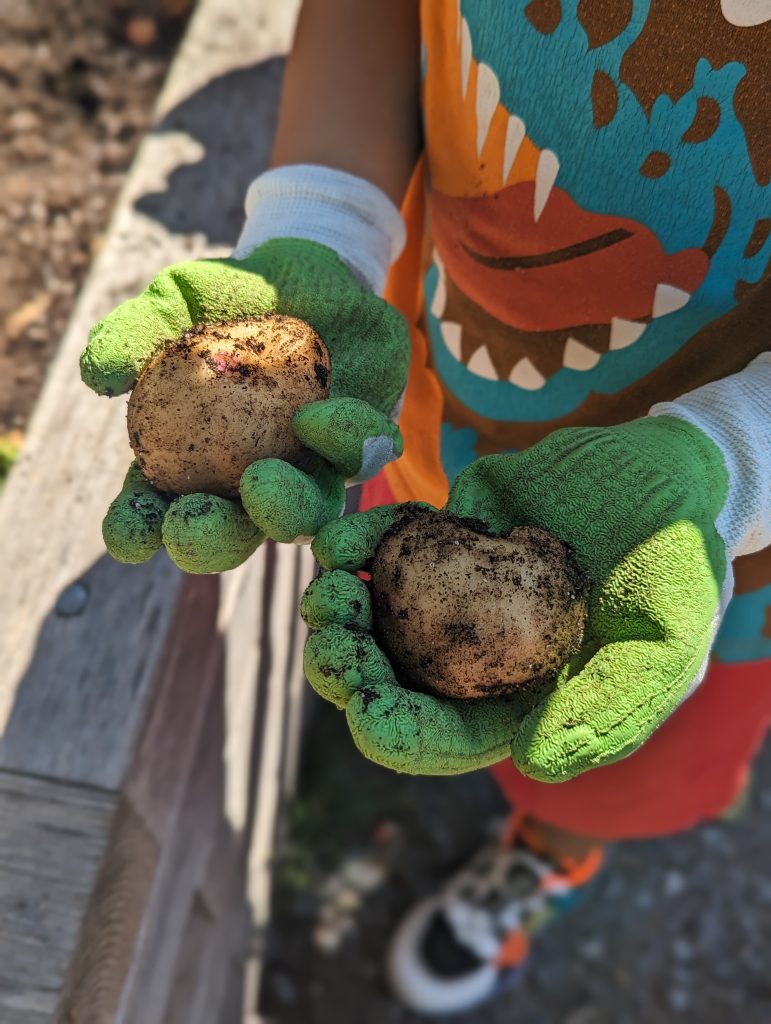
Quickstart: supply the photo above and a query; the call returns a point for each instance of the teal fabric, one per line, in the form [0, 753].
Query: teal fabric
[638, 505]
[368, 342]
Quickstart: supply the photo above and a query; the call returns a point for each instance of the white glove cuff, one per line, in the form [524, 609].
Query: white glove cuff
[336, 209]
[735, 413]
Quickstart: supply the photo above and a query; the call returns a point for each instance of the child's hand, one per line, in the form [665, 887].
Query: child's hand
[399, 728]
[638, 504]
[352, 432]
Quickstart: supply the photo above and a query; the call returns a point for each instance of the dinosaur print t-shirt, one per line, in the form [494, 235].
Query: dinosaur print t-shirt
[591, 230]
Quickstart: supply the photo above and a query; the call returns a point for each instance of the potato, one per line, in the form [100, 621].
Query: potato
[222, 396]
[466, 615]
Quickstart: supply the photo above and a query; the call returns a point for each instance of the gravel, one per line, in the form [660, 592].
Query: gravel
[78, 80]
[675, 930]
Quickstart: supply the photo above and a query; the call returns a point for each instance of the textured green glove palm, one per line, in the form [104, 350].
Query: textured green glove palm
[638, 504]
[351, 432]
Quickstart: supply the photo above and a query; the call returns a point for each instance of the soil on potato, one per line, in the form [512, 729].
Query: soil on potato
[78, 81]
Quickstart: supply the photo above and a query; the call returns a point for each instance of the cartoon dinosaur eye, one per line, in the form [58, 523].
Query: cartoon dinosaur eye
[705, 120]
[604, 21]
[757, 239]
[746, 13]
[604, 99]
[544, 15]
[655, 165]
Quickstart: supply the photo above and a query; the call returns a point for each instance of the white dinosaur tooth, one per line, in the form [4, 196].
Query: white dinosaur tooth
[545, 176]
[515, 134]
[526, 375]
[465, 56]
[488, 94]
[667, 299]
[481, 364]
[452, 334]
[578, 356]
[746, 13]
[624, 333]
[439, 300]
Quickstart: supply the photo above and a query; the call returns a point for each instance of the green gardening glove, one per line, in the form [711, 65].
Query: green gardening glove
[638, 505]
[351, 432]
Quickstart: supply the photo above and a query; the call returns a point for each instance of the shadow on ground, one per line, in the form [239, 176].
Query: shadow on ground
[233, 118]
[675, 931]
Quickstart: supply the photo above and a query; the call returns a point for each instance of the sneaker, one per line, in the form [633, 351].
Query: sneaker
[462, 946]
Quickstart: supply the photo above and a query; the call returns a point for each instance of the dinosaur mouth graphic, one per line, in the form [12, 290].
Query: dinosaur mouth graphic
[568, 266]
[547, 284]
[493, 350]
[547, 259]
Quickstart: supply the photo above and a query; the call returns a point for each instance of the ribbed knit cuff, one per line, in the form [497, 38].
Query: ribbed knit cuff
[735, 413]
[346, 213]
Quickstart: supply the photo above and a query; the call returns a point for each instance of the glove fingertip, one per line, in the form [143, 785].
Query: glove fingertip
[132, 526]
[337, 598]
[205, 534]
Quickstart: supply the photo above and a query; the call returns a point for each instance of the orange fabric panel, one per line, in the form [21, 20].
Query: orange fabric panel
[418, 474]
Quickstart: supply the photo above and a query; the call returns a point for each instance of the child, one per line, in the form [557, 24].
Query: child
[587, 248]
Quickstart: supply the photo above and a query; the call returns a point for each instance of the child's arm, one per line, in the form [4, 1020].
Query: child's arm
[351, 91]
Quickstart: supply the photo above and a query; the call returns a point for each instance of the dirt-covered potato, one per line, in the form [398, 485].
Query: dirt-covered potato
[466, 615]
[222, 396]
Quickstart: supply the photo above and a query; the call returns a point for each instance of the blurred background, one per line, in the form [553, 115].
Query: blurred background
[676, 930]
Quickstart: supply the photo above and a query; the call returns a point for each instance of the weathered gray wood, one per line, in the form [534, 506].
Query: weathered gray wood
[131, 718]
[52, 843]
[110, 928]
[73, 690]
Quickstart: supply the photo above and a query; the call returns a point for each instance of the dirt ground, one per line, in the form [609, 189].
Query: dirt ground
[78, 79]
[677, 930]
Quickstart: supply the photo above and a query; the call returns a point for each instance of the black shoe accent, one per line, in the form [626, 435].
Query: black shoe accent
[443, 954]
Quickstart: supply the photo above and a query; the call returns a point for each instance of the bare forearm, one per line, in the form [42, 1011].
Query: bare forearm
[351, 91]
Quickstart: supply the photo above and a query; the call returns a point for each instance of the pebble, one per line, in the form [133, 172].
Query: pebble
[674, 883]
[683, 949]
[364, 875]
[327, 939]
[679, 999]
[592, 949]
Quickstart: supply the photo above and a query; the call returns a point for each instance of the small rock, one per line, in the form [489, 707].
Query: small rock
[141, 30]
[362, 874]
[24, 121]
[592, 949]
[348, 899]
[674, 883]
[643, 900]
[327, 939]
[679, 999]
[683, 949]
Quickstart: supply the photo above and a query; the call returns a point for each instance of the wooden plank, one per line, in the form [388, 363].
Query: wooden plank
[52, 843]
[102, 959]
[186, 854]
[73, 690]
[115, 696]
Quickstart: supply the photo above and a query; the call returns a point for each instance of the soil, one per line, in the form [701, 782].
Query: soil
[675, 931]
[78, 80]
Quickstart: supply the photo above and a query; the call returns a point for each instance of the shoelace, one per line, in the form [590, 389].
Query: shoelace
[499, 890]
